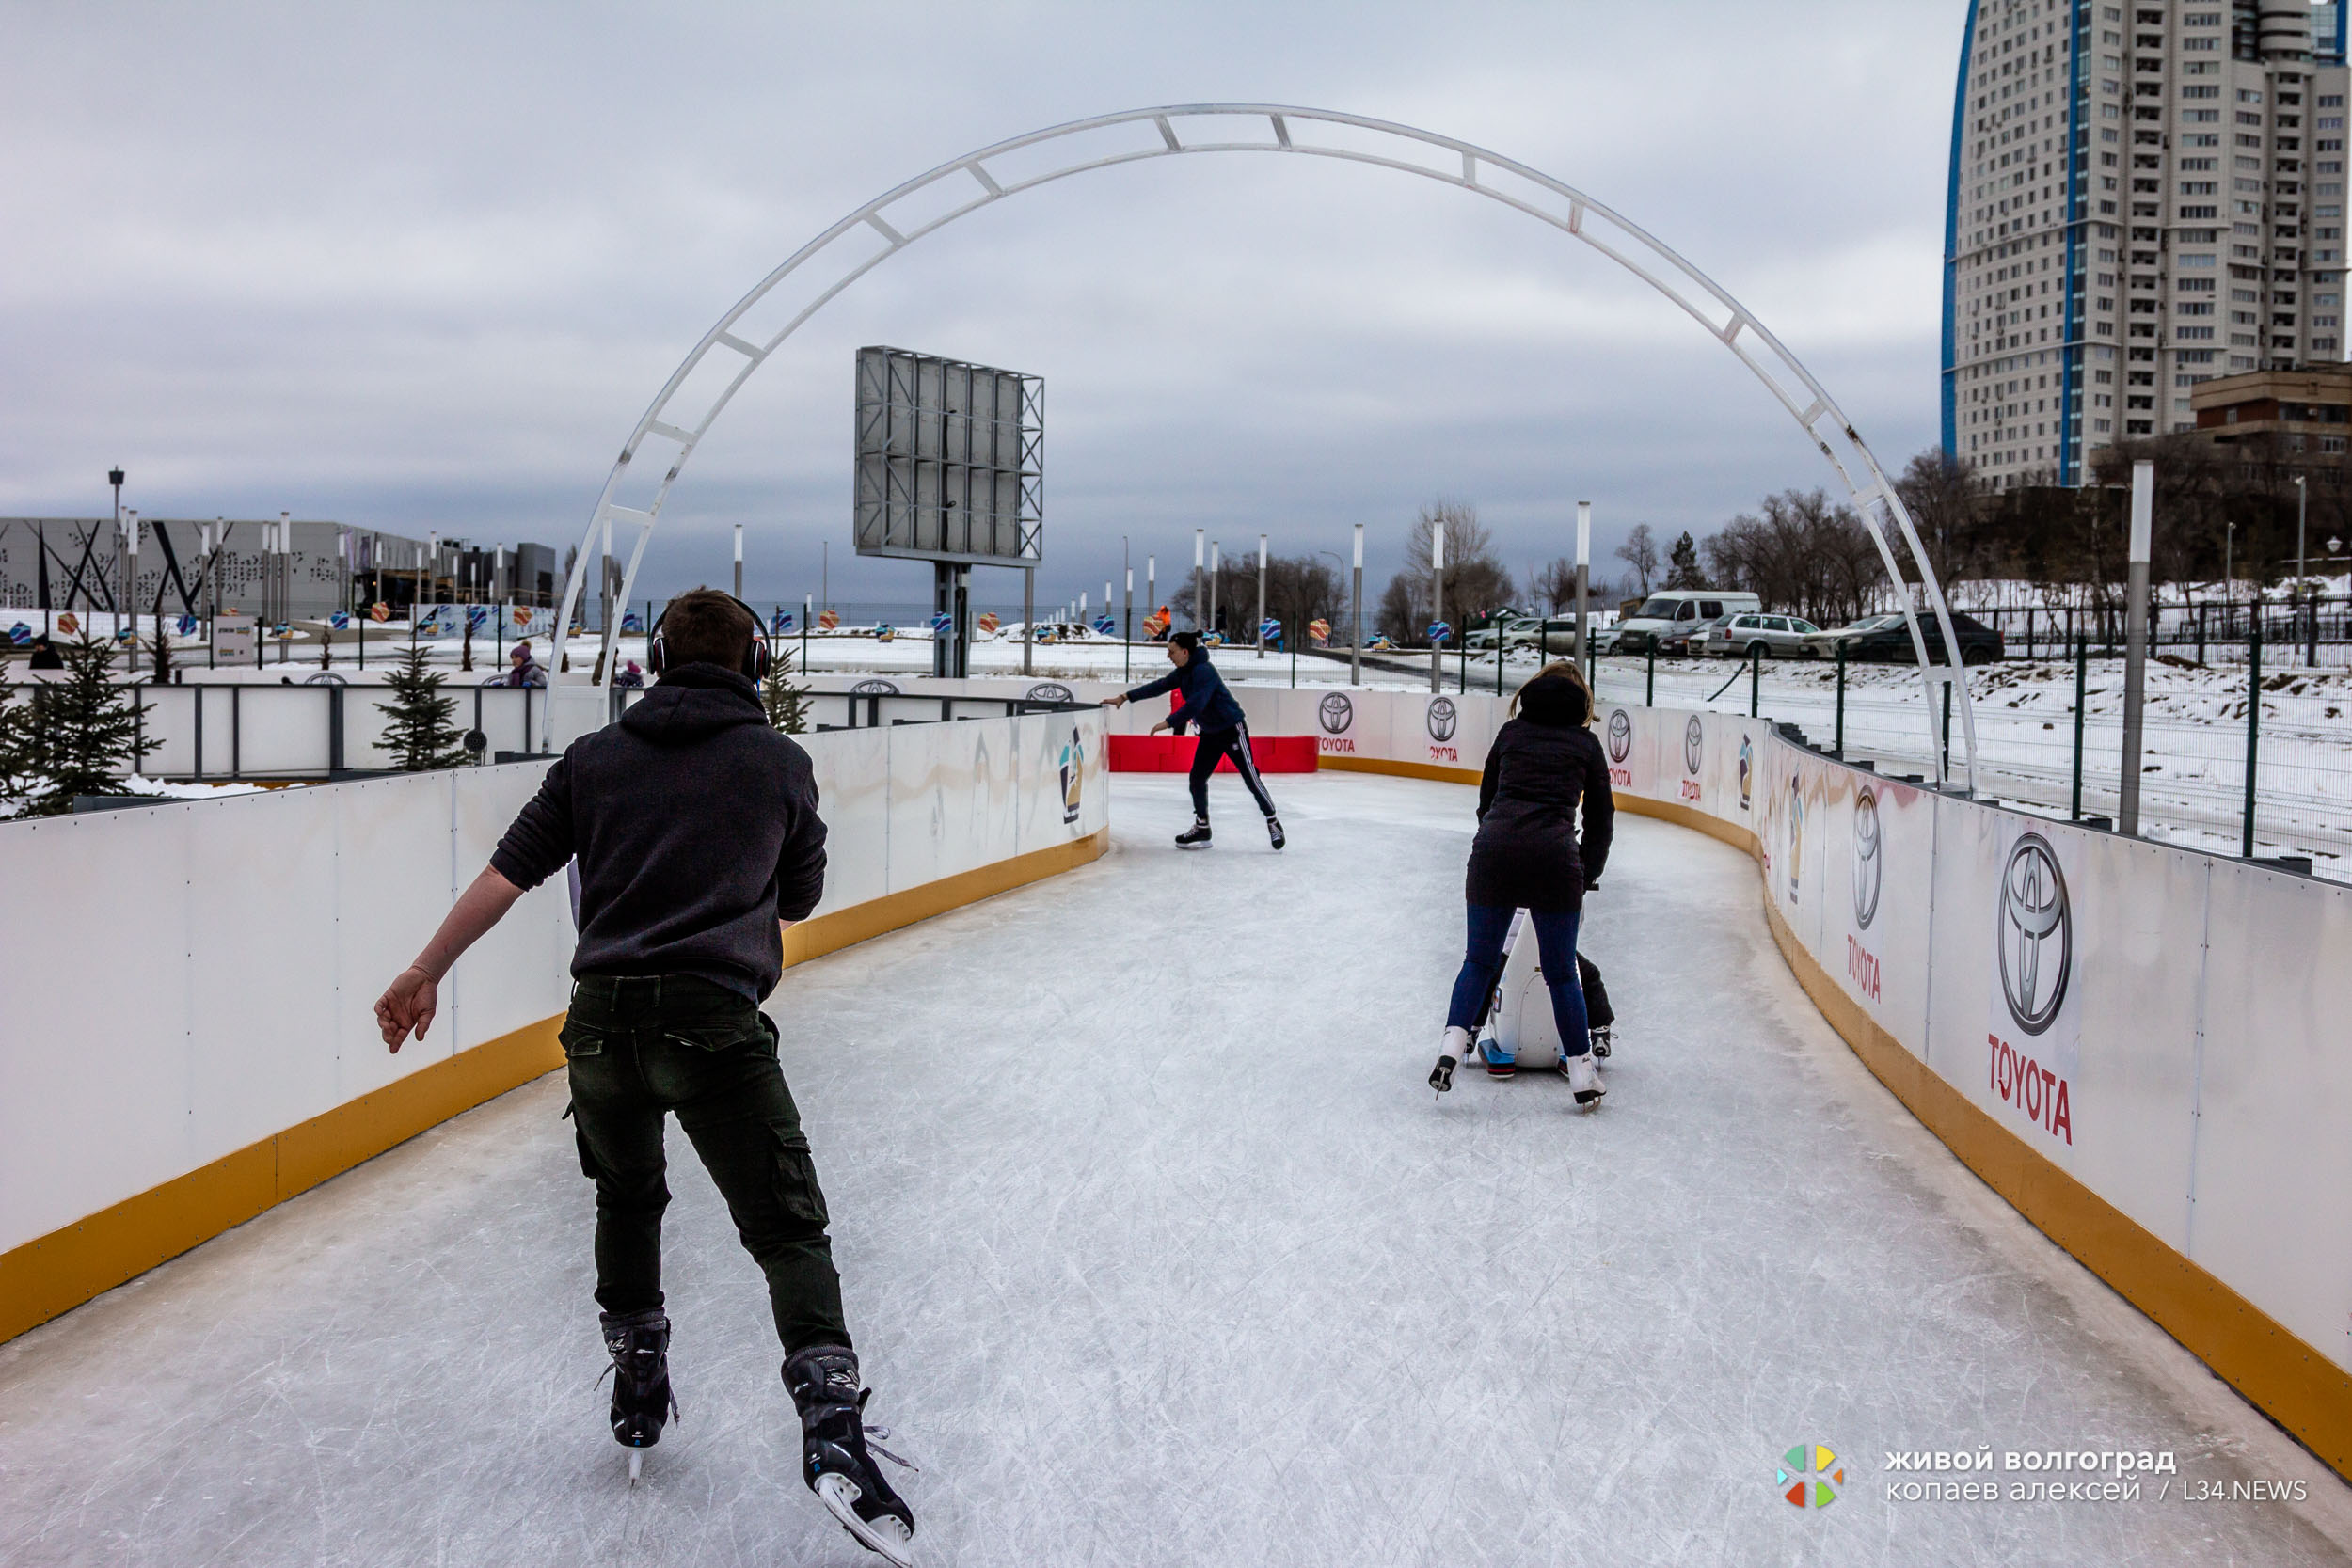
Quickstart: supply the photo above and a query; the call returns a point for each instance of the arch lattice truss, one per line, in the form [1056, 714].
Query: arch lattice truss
[751, 333]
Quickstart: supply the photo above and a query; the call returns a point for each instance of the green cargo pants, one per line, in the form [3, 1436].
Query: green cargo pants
[643, 1046]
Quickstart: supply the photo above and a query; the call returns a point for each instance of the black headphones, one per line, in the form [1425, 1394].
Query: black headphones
[756, 659]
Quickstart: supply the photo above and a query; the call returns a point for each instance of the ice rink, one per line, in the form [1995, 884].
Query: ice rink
[1159, 1251]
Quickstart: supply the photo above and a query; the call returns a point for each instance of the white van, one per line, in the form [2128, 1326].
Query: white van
[1679, 610]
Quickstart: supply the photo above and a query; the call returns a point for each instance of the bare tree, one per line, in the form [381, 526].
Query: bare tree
[1798, 554]
[1639, 551]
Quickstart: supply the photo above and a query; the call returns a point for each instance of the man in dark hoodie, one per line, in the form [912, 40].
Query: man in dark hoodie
[696, 830]
[1210, 709]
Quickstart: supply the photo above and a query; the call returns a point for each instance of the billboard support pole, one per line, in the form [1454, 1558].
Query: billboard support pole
[1028, 617]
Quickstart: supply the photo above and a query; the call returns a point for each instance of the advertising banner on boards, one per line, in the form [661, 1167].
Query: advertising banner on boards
[1877, 839]
[2033, 1040]
[1626, 740]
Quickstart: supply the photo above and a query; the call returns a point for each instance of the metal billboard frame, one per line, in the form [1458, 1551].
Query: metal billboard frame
[1109, 140]
[895, 448]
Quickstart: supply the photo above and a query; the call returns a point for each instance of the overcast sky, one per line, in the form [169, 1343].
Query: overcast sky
[417, 267]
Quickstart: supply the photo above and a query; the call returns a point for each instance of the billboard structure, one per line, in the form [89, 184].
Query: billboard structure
[950, 469]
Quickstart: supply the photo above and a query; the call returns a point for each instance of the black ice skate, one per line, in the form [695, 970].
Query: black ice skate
[1274, 830]
[1601, 1042]
[639, 1343]
[835, 1460]
[1194, 837]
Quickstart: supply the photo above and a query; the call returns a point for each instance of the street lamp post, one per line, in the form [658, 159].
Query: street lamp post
[1216, 570]
[1199, 592]
[130, 584]
[1583, 572]
[2302, 561]
[2135, 644]
[1437, 600]
[114, 476]
[1355, 659]
[1150, 586]
[738, 561]
[1262, 557]
[1127, 631]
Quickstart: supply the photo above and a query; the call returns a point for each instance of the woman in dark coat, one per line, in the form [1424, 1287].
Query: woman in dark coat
[1544, 763]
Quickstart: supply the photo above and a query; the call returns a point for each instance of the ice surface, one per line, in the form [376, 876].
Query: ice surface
[1159, 1251]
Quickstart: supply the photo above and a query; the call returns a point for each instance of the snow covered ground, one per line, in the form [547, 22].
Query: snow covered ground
[1159, 1252]
[2192, 791]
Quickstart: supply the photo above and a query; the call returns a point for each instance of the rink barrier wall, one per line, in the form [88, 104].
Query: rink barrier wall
[239, 1065]
[2199, 1169]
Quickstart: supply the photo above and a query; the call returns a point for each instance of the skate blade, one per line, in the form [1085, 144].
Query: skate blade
[636, 1464]
[885, 1537]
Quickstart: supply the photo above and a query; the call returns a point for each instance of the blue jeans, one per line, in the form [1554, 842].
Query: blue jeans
[1482, 967]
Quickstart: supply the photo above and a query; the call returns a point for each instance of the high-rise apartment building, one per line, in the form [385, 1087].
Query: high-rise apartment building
[2143, 196]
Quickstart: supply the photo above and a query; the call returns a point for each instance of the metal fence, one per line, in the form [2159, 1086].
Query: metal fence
[2315, 632]
[2049, 737]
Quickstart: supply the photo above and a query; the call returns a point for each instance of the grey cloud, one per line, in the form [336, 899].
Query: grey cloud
[422, 267]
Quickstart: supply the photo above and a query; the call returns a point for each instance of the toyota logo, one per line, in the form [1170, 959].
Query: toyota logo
[1693, 739]
[1868, 867]
[2034, 934]
[874, 689]
[1335, 713]
[1051, 691]
[1620, 734]
[1442, 718]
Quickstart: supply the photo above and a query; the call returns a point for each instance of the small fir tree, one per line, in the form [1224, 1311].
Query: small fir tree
[160, 649]
[87, 730]
[788, 704]
[421, 735]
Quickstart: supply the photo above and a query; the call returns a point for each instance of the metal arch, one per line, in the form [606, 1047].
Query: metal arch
[1295, 130]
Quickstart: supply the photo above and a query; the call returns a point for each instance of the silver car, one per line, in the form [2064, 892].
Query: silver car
[1778, 636]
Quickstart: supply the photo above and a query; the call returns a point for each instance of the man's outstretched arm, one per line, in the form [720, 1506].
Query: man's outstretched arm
[407, 1007]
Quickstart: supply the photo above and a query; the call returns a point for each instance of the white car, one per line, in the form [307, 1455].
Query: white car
[1780, 636]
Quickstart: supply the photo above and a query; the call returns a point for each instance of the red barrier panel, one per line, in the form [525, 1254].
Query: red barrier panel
[1172, 753]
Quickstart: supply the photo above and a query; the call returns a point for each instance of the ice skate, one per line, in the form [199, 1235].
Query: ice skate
[639, 1343]
[1601, 1039]
[1195, 836]
[1583, 1076]
[1500, 1064]
[835, 1457]
[1274, 830]
[1451, 1051]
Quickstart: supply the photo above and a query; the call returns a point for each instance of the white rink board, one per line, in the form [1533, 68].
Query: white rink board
[199, 975]
[2205, 1039]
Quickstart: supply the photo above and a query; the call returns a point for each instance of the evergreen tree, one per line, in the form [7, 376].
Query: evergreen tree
[20, 750]
[1682, 564]
[160, 650]
[421, 734]
[86, 731]
[786, 703]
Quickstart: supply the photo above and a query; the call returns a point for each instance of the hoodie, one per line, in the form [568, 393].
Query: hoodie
[1208, 706]
[696, 830]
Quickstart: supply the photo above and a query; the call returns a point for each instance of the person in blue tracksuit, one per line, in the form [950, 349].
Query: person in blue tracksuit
[1210, 710]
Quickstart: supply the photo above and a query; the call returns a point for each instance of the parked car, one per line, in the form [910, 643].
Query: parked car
[1891, 640]
[1823, 644]
[1516, 632]
[1678, 612]
[1687, 637]
[1779, 636]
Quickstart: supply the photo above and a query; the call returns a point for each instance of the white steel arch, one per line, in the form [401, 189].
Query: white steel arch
[676, 422]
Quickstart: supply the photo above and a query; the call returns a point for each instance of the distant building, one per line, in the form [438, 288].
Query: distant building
[2142, 196]
[77, 563]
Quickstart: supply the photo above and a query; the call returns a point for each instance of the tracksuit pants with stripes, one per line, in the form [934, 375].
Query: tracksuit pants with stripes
[1215, 745]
